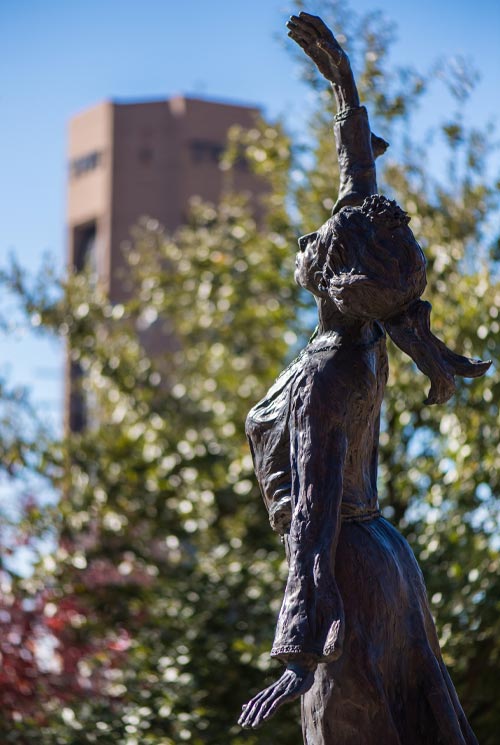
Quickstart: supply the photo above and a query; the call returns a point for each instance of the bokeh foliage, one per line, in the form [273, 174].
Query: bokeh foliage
[158, 599]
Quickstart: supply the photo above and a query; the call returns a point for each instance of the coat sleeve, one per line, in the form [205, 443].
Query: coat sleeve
[356, 151]
[311, 622]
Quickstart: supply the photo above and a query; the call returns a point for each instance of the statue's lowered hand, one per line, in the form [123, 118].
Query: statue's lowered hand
[294, 682]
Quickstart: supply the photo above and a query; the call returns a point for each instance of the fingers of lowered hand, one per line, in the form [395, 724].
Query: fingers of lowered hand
[250, 709]
[257, 710]
[271, 705]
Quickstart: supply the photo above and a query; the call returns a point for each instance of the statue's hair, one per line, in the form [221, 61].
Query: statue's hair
[411, 332]
[383, 211]
[371, 267]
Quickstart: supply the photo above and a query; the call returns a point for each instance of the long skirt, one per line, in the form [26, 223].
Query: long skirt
[390, 685]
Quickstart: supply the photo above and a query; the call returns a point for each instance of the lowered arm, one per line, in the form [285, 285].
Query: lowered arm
[311, 621]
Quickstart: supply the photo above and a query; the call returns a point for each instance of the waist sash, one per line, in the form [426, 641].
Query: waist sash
[350, 513]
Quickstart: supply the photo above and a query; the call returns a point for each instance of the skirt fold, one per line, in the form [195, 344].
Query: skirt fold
[390, 684]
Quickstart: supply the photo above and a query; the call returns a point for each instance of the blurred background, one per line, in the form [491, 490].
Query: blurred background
[159, 161]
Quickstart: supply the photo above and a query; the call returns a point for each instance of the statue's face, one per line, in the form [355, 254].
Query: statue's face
[310, 259]
[306, 266]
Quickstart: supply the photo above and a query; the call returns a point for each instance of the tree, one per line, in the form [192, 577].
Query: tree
[159, 596]
[164, 566]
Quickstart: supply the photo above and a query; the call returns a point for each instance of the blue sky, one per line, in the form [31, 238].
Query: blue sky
[61, 56]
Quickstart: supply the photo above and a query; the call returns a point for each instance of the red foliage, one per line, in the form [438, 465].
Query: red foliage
[41, 649]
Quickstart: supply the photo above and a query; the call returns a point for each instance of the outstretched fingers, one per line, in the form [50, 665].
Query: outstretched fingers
[249, 710]
[300, 34]
[270, 705]
[265, 704]
[303, 43]
[313, 26]
[314, 22]
[255, 714]
[317, 41]
[303, 28]
[252, 713]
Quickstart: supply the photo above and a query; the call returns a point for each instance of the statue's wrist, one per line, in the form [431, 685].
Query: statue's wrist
[303, 664]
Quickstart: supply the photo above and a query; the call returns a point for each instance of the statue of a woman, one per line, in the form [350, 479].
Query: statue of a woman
[355, 632]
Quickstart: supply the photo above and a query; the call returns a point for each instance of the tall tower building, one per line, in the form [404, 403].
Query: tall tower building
[135, 159]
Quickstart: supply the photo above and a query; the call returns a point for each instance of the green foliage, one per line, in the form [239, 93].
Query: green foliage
[164, 547]
[165, 580]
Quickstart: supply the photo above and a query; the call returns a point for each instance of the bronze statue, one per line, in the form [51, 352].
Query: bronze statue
[355, 632]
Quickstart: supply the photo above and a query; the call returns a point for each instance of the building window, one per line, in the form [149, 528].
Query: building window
[85, 163]
[84, 248]
[204, 151]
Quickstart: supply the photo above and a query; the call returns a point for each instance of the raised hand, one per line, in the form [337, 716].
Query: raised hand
[318, 42]
[294, 682]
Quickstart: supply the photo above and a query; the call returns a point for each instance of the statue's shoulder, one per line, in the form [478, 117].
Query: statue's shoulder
[322, 385]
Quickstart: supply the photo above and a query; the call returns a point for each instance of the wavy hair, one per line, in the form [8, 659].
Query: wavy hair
[371, 267]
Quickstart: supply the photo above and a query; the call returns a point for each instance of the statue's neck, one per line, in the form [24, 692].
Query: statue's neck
[331, 320]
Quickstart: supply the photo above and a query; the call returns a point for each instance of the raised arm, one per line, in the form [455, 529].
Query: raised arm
[357, 146]
[321, 46]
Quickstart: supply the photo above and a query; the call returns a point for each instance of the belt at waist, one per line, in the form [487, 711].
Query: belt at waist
[356, 513]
